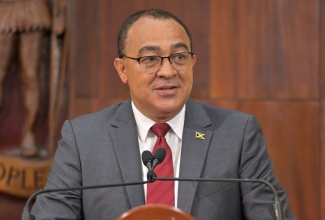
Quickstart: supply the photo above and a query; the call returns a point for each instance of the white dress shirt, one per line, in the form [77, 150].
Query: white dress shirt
[147, 140]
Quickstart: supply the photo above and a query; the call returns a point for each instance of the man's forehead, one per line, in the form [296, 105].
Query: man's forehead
[158, 48]
[151, 32]
[141, 26]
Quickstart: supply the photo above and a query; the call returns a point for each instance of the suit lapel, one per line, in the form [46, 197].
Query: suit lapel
[194, 150]
[125, 142]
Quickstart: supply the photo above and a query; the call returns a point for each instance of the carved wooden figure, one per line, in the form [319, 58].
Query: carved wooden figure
[22, 27]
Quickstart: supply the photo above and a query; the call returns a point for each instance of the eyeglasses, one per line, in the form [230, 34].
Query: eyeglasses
[151, 64]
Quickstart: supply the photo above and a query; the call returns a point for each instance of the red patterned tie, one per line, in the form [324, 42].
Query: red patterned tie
[162, 192]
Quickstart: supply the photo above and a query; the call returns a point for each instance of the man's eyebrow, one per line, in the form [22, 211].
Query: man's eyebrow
[149, 48]
[157, 48]
[179, 45]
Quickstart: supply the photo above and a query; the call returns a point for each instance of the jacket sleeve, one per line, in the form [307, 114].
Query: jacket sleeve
[255, 163]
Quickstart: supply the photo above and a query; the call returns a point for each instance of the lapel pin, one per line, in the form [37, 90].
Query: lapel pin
[199, 135]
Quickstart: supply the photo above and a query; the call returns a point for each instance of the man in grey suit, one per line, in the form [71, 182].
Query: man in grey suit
[156, 61]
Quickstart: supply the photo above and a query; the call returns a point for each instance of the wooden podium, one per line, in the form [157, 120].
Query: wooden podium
[155, 212]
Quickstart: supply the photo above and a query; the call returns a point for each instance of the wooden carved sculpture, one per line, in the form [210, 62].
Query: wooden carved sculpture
[22, 27]
[23, 24]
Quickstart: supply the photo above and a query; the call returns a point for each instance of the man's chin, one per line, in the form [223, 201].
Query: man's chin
[170, 109]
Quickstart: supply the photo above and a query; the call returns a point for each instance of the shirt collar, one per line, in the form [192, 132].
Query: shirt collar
[144, 123]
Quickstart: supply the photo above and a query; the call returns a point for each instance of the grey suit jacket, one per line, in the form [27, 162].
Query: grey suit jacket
[102, 148]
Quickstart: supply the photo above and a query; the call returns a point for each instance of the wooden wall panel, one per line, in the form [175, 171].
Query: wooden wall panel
[322, 158]
[265, 61]
[322, 101]
[264, 49]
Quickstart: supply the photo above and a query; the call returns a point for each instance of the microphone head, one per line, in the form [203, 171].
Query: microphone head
[160, 155]
[146, 157]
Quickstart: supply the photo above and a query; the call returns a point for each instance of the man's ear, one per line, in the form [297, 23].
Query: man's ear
[193, 60]
[121, 70]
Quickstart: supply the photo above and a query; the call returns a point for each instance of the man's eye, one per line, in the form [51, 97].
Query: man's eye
[180, 56]
[150, 59]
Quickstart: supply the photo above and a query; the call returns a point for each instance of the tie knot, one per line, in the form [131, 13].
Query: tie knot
[160, 129]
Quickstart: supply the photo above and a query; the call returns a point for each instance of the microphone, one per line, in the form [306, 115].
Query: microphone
[159, 156]
[152, 161]
[147, 159]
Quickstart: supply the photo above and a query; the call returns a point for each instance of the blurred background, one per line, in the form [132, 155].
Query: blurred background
[262, 57]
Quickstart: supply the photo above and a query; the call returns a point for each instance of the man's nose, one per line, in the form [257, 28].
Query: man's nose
[166, 68]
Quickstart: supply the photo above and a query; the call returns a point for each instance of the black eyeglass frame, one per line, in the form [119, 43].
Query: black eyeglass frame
[162, 58]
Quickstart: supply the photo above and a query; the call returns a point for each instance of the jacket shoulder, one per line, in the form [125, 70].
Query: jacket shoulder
[202, 112]
[106, 115]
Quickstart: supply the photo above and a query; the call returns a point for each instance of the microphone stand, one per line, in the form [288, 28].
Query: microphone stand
[277, 211]
[26, 215]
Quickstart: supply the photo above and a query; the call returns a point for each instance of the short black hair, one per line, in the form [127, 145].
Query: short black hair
[154, 13]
